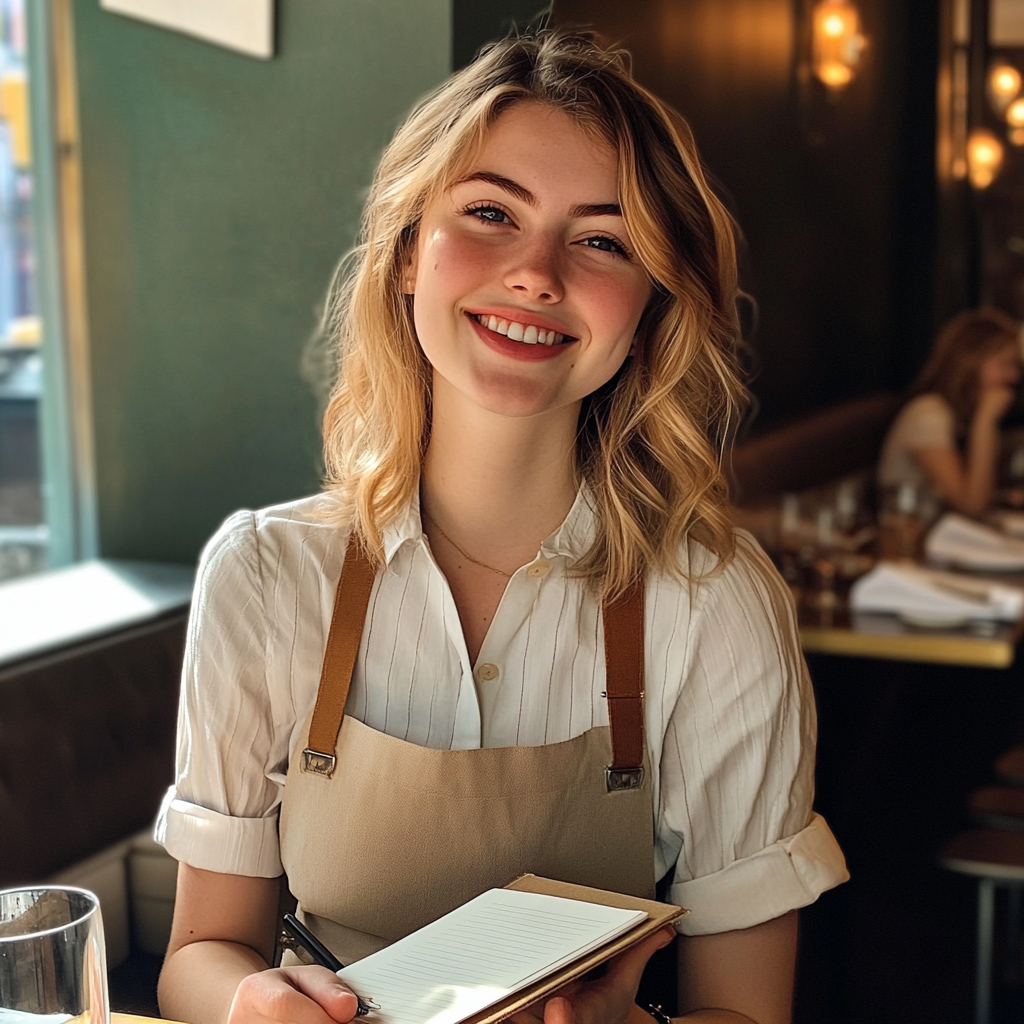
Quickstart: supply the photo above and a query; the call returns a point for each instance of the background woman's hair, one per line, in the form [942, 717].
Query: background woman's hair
[651, 440]
[960, 348]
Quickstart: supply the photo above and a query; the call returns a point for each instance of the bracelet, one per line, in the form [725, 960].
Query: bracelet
[658, 1014]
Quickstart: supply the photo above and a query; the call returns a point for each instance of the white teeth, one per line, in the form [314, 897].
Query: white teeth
[526, 333]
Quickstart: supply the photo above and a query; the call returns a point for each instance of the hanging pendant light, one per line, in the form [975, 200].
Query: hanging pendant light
[837, 42]
[984, 157]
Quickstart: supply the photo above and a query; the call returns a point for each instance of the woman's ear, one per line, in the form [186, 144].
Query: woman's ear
[409, 274]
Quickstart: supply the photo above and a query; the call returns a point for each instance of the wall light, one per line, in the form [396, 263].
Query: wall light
[984, 157]
[1003, 85]
[837, 42]
[1015, 119]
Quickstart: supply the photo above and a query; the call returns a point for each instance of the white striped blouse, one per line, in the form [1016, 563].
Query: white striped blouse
[729, 708]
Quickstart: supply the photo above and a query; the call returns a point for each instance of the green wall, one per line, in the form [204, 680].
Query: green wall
[219, 191]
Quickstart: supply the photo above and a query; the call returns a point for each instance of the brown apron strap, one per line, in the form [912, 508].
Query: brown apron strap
[624, 660]
[347, 620]
[624, 669]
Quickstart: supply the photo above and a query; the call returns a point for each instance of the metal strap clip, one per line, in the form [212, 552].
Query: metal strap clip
[618, 779]
[316, 763]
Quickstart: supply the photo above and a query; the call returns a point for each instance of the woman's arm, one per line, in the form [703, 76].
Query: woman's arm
[218, 958]
[968, 484]
[740, 975]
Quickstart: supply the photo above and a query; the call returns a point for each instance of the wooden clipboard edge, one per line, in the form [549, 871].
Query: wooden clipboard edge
[659, 915]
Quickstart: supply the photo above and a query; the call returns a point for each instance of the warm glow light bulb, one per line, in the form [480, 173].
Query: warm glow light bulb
[837, 41]
[834, 74]
[833, 25]
[1003, 85]
[1015, 114]
[984, 157]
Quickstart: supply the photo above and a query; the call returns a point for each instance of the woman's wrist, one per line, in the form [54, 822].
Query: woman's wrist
[641, 1015]
[657, 1013]
[650, 1014]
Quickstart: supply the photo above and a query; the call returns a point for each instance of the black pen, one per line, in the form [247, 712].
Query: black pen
[323, 956]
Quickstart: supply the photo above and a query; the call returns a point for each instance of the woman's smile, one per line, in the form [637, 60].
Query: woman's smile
[519, 340]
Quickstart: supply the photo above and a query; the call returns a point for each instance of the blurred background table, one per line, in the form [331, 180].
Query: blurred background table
[869, 635]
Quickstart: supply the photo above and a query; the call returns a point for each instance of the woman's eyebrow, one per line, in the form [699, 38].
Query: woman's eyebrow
[596, 210]
[513, 188]
[523, 194]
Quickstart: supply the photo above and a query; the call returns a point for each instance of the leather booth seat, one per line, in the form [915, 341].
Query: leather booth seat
[815, 450]
[86, 747]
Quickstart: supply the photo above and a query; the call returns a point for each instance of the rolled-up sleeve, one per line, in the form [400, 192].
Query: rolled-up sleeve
[221, 813]
[737, 767]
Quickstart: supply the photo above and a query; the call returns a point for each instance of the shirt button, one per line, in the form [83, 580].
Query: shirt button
[486, 672]
[539, 568]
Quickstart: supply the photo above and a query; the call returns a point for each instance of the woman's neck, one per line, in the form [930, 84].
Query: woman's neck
[498, 485]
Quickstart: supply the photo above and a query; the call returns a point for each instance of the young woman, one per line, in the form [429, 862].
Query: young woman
[552, 653]
[945, 441]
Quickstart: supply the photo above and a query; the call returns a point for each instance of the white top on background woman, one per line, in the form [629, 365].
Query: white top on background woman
[945, 441]
[524, 449]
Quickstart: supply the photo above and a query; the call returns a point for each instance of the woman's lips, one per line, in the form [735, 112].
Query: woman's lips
[517, 349]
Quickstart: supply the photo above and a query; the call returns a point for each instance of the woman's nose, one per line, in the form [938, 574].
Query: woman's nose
[536, 273]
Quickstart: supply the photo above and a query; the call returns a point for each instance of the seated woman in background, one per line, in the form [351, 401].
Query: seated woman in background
[945, 441]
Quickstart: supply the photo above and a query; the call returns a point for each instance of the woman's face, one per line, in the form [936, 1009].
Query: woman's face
[527, 294]
[1001, 369]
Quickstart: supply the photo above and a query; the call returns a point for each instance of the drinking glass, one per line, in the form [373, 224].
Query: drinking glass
[904, 518]
[793, 552]
[52, 957]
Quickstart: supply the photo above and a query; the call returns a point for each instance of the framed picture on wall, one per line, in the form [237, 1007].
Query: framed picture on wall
[243, 25]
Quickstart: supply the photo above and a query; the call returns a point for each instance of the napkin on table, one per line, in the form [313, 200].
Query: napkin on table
[962, 541]
[900, 587]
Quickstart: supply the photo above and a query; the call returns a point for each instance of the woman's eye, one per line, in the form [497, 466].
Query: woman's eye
[489, 214]
[605, 244]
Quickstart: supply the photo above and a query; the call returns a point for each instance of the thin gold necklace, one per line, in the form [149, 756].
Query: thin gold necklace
[475, 561]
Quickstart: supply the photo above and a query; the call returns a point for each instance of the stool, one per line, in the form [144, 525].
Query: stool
[1009, 767]
[1000, 807]
[996, 859]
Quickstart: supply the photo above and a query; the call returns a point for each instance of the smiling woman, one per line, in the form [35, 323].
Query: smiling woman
[548, 651]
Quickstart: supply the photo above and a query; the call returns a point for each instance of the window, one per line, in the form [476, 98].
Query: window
[44, 429]
[23, 533]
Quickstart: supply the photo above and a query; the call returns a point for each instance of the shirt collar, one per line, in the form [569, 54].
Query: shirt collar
[570, 540]
[577, 531]
[407, 527]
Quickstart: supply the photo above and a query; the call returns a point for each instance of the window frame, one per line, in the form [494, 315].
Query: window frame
[65, 409]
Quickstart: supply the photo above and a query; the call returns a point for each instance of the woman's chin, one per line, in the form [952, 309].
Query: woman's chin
[505, 394]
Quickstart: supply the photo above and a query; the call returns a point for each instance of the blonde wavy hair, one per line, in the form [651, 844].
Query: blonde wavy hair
[650, 442]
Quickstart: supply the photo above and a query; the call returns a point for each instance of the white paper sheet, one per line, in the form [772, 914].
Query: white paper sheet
[960, 541]
[900, 588]
[481, 952]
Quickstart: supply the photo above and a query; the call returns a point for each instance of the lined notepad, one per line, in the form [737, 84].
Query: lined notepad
[481, 953]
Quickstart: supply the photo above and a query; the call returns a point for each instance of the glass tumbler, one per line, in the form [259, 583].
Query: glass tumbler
[52, 957]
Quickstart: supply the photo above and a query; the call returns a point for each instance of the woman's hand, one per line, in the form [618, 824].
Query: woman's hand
[609, 999]
[995, 402]
[292, 995]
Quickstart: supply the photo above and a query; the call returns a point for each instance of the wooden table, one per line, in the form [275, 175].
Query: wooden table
[871, 635]
[133, 1018]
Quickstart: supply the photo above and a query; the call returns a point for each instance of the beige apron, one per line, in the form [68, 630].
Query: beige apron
[380, 836]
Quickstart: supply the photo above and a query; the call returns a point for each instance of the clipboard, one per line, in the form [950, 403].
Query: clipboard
[658, 916]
